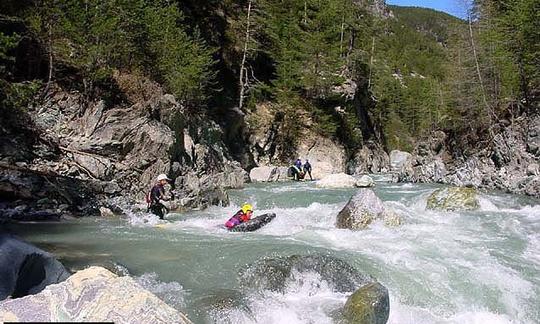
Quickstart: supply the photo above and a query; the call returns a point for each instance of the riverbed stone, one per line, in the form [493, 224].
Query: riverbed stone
[93, 294]
[268, 174]
[339, 180]
[365, 181]
[453, 199]
[361, 210]
[369, 304]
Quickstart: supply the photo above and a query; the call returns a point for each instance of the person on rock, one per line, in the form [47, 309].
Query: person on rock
[298, 164]
[307, 169]
[243, 215]
[156, 196]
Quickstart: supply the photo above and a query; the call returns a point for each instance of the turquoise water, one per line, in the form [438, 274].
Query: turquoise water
[439, 267]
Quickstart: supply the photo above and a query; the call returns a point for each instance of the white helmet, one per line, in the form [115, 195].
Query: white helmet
[163, 177]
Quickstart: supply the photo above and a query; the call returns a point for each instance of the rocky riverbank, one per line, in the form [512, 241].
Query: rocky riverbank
[85, 153]
[510, 163]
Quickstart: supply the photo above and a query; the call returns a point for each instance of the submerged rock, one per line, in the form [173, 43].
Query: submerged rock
[362, 209]
[368, 305]
[25, 269]
[94, 294]
[453, 199]
[274, 274]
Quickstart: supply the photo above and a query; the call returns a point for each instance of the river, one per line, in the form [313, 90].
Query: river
[439, 267]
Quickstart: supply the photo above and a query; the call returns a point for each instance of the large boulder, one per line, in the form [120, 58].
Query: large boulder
[368, 305]
[453, 199]
[25, 269]
[94, 294]
[340, 180]
[365, 181]
[398, 159]
[269, 174]
[362, 209]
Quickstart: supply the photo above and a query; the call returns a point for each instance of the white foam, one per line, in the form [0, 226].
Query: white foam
[171, 293]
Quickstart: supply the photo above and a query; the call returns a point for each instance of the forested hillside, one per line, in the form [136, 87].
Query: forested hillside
[343, 69]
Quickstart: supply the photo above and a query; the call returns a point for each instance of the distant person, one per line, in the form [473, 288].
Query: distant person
[241, 216]
[298, 164]
[307, 169]
[157, 195]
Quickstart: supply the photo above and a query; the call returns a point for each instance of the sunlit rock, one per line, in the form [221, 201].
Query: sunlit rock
[340, 180]
[453, 199]
[362, 209]
[93, 294]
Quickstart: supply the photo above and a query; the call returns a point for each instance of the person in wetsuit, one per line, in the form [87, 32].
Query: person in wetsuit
[243, 215]
[157, 194]
[307, 169]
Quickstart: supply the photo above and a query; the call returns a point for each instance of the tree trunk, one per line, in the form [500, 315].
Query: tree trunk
[243, 77]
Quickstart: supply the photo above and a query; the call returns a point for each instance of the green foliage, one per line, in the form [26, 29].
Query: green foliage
[7, 43]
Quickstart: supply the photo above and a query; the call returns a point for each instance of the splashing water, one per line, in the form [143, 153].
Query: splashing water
[439, 267]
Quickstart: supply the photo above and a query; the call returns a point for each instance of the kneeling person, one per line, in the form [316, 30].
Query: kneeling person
[243, 215]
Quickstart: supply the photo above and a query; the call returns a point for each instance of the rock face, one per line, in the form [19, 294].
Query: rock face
[25, 269]
[362, 209]
[94, 294]
[117, 148]
[269, 174]
[509, 164]
[371, 158]
[368, 305]
[325, 156]
[398, 160]
[453, 199]
[340, 180]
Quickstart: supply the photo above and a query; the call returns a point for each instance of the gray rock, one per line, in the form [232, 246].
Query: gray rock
[268, 174]
[361, 210]
[365, 181]
[25, 269]
[94, 294]
[398, 159]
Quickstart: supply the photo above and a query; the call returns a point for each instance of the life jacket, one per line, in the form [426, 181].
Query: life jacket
[238, 218]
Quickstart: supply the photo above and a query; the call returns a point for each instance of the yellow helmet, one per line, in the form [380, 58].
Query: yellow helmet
[246, 208]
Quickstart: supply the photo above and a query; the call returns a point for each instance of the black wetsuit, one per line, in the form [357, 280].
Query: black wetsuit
[307, 169]
[156, 194]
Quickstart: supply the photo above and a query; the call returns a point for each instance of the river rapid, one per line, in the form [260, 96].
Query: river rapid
[439, 267]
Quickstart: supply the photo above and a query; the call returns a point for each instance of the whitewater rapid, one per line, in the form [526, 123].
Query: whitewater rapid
[439, 267]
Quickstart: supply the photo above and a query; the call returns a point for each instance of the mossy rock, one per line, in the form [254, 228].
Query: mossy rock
[453, 199]
[368, 305]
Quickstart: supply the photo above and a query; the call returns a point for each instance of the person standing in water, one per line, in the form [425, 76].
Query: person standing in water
[157, 195]
[307, 169]
[243, 215]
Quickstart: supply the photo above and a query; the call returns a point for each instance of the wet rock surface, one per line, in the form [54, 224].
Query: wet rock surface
[363, 209]
[93, 294]
[25, 269]
[274, 274]
[509, 164]
[368, 305]
[453, 199]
